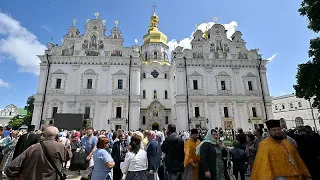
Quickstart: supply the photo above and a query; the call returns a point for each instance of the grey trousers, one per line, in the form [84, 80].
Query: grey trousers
[175, 176]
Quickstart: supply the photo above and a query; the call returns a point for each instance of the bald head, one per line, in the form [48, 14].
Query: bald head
[50, 133]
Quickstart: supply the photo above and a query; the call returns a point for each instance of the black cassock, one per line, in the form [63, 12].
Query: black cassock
[24, 142]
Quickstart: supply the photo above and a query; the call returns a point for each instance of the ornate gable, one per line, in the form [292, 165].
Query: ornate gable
[119, 73]
[195, 74]
[59, 71]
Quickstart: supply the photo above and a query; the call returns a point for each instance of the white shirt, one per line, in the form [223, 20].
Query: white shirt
[135, 162]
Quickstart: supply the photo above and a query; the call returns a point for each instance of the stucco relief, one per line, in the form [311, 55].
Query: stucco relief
[120, 75]
[196, 76]
[119, 103]
[223, 76]
[197, 103]
[58, 74]
[89, 74]
[53, 103]
[155, 113]
[256, 89]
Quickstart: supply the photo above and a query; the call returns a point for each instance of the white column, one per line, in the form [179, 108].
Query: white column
[211, 117]
[73, 84]
[264, 81]
[218, 119]
[237, 86]
[103, 120]
[134, 121]
[182, 123]
[210, 85]
[42, 78]
[36, 115]
[135, 80]
[181, 81]
[269, 110]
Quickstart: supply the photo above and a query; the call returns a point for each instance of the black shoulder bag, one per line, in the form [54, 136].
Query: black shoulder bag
[44, 149]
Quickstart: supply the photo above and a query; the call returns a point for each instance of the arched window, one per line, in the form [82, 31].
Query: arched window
[155, 95]
[283, 107]
[143, 120]
[165, 75]
[283, 123]
[144, 94]
[299, 121]
[146, 56]
[165, 56]
[144, 75]
[299, 104]
[291, 105]
[155, 55]
[166, 94]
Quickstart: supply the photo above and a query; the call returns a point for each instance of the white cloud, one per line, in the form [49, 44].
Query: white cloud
[185, 43]
[17, 43]
[46, 27]
[272, 57]
[4, 84]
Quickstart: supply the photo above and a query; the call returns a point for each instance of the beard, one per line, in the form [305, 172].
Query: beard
[278, 137]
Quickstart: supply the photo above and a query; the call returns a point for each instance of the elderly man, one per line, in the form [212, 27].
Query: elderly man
[34, 164]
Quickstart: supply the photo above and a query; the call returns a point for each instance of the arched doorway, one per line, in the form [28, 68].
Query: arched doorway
[283, 123]
[155, 126]
[299, 121]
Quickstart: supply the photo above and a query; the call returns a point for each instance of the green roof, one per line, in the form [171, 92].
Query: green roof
[22, 111]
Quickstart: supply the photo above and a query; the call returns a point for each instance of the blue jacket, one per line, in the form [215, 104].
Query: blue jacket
[154, 155]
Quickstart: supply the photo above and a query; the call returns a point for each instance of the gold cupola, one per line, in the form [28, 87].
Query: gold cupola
[154, 35]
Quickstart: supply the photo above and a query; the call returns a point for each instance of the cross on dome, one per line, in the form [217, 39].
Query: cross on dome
[154, 7]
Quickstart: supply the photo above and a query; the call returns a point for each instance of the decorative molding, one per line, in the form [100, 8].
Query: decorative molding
[223, 76]
[119, 103]
[125, 89]
[196, 92]
[197, 103]
[89, 74]
[53, 103]
[51, 87]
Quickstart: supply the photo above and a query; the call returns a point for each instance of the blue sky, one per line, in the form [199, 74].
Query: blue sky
[275, 27]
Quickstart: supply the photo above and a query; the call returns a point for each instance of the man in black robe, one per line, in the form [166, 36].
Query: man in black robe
[25, 141]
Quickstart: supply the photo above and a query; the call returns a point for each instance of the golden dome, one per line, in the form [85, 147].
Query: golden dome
[154, 35]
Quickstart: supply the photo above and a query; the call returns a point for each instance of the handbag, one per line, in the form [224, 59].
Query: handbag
[62, 176]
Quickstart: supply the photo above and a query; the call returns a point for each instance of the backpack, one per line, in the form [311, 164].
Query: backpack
[75, 144]
[79, 156]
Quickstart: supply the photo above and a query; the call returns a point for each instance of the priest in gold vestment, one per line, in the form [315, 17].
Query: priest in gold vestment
[191, 160]
[277, 158]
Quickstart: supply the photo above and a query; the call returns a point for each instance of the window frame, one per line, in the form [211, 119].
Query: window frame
[223, 85]
[197, 112]
[89, 83]
[166, 94]
[226, 112]
[118, 112]
[87, 111]
[254, 112]
[120, 85]
[58, 83]
[195, 84]
[54, 111]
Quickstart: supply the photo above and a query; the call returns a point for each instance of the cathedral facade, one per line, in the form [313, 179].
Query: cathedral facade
[216, 83]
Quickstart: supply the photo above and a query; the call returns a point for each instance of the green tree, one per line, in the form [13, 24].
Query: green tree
[308, 76]
[29, 107]
[16, 122]
[19, 120]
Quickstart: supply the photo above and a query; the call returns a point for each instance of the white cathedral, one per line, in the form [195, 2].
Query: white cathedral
[216, 83]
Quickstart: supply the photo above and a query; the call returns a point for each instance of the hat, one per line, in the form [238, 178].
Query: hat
[273, 123]
[194, 131]
[31, 127]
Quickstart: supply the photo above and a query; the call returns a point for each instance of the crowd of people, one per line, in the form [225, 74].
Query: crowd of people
[161, 155]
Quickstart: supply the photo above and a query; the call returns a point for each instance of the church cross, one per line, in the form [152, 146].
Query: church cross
[154, 7]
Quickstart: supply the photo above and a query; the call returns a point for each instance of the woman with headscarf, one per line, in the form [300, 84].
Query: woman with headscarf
[211, 164]
[154, 156]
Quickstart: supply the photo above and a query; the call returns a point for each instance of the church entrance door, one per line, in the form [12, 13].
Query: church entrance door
[155, 126]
